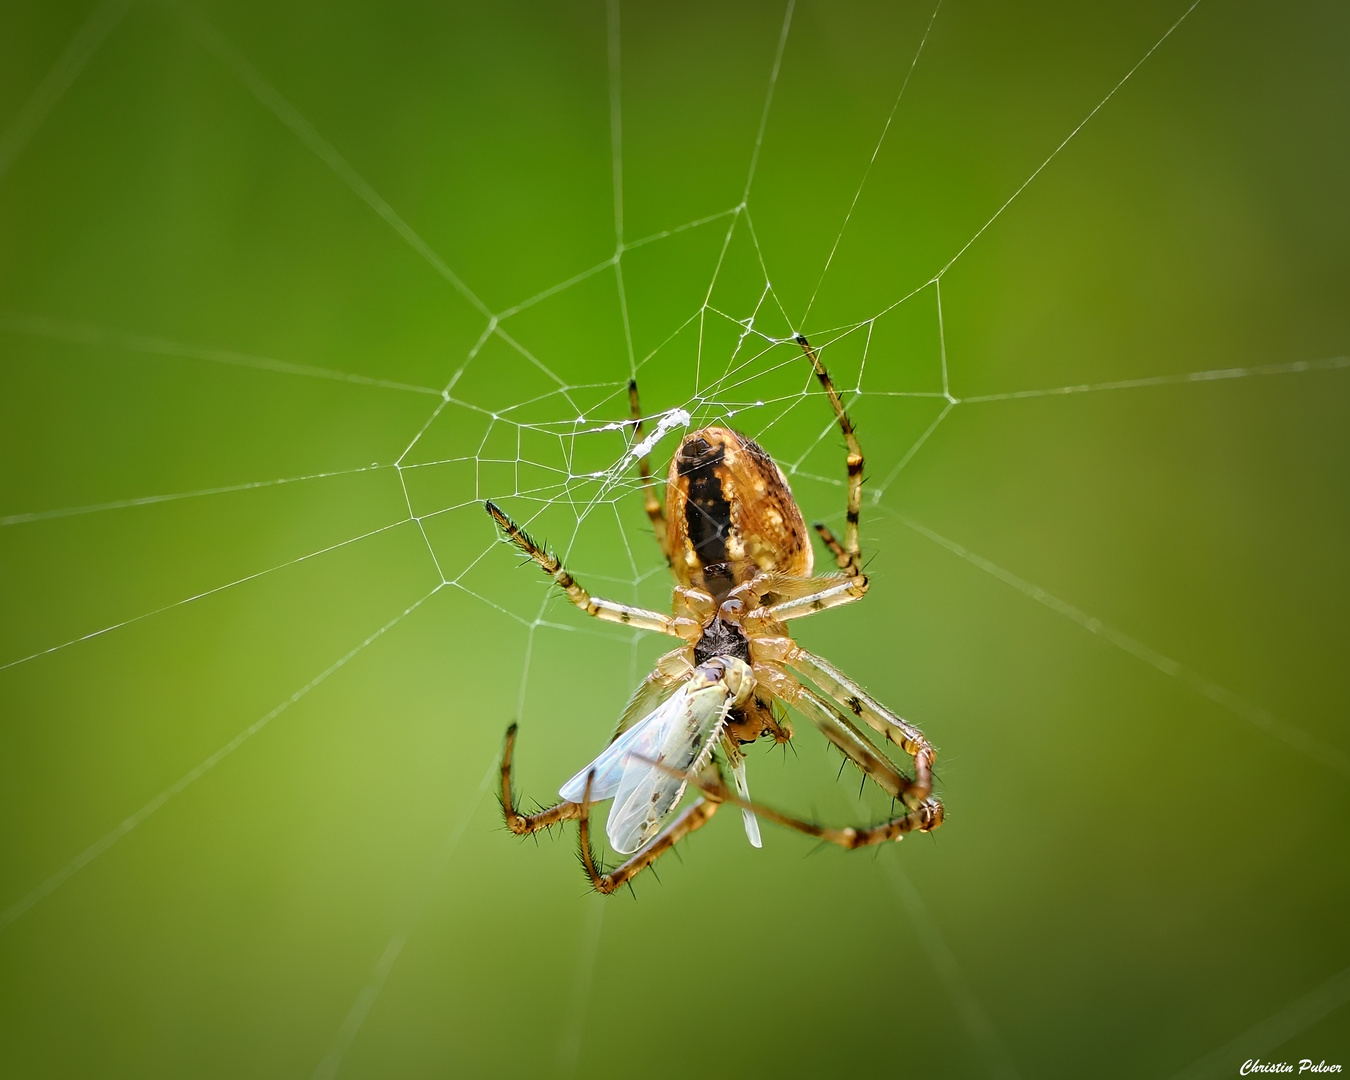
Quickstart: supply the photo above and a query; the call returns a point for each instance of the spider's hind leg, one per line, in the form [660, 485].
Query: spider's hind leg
[694, 817]
[524, 824]
[925, 818]
[848, 695]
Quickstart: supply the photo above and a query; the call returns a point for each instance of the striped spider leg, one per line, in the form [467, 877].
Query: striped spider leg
[695, 816]
[846, 554]
[770, 645]
[914, 793]
[607, 610]
[771, 651]
[524, 824]
[925, 819]
[806, 596]
[849, 695]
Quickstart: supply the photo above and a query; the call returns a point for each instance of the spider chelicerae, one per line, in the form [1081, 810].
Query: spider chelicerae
[738, 547]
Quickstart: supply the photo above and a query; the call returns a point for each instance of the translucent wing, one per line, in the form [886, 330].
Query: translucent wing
[737, 762]
[641, 739]
[675, 738]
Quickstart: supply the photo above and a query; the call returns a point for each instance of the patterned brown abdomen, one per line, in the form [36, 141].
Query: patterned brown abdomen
[730, 513]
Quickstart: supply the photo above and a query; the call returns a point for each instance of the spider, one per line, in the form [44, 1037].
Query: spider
[738, 548]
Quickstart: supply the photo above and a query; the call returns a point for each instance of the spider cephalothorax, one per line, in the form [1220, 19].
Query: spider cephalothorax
[738, 547]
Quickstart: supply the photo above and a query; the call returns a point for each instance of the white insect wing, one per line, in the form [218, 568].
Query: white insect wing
[643, 739]
[675, 736]
[743, 790]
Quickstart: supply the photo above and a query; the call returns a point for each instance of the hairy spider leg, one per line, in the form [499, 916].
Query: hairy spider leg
[844, 695]
[695, 816]
[925, 819]
[655, 513]
[847, 554]
[854, 745]
[836, 548]
[834, 592]
[849, 695]
[608, 610]
[524, 824]
[792, 596]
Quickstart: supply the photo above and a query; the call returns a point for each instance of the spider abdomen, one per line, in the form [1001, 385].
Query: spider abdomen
[730, 514]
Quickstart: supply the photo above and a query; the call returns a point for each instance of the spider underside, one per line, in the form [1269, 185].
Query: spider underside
[738, 547]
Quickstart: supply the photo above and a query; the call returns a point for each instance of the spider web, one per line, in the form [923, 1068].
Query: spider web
[558, 451]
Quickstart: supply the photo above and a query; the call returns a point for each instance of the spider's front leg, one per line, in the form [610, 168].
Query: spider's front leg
[524, 824]
[607, 610]
[806, 596]
[694, 817]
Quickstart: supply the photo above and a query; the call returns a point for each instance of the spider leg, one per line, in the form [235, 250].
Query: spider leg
[856, 747]
[694, 817]
[608, 610]
[836, 548]
[524, 824]
[856, 700]
[846, 555]
[925, 818]
[655, 514]
[832, 592]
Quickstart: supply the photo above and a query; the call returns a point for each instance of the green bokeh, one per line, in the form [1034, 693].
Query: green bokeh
[1132, 873]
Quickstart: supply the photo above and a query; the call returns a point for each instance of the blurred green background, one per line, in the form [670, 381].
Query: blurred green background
[1142, 863]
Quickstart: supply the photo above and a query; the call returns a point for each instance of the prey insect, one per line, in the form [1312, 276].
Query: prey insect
[741, 557]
